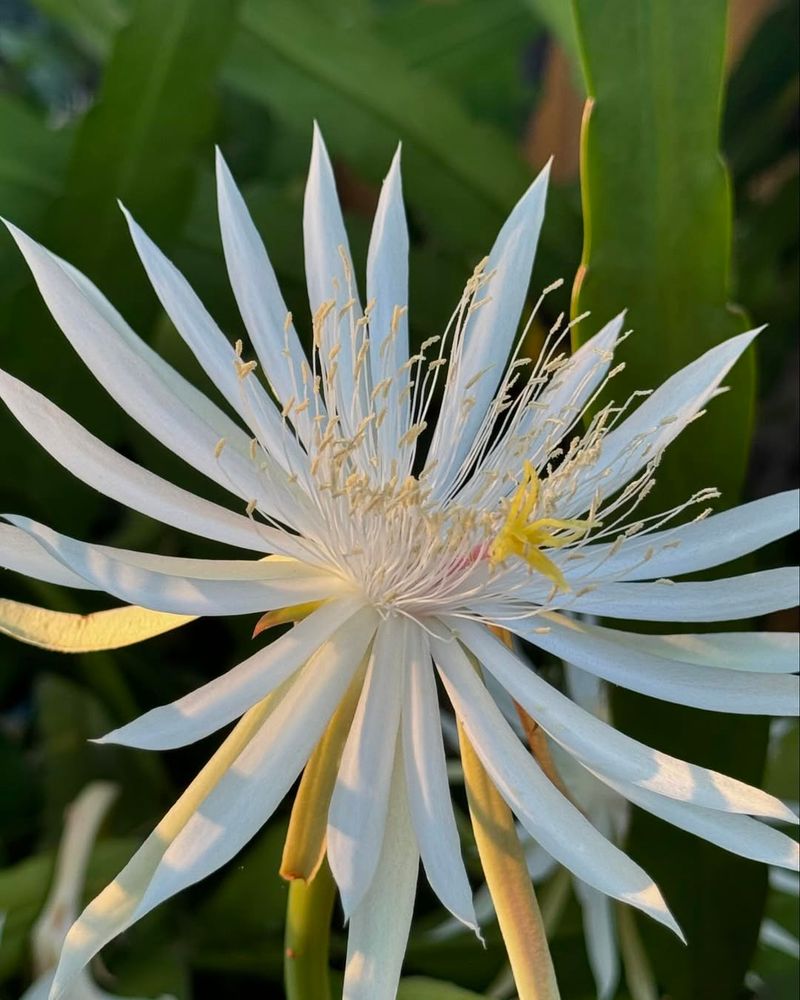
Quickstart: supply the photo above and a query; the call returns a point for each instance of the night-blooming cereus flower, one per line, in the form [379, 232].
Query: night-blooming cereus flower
[394, 562]
[82, 822]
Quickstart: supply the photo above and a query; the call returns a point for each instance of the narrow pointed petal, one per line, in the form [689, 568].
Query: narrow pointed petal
[752, 652]
[225, 698]
[731, 599]
[99, 466]
[223, 808]
[741, 835]
[700, 544]
[185, 586]
[216, 354]
[607, 751]
[62, 632]
[489, 334]
[548, 817]
[328, 277]
[380, 925]
[259, 298]
[23, 554]
[593, 648]
[428, 788]
[256, 782]
[357, 815]
[164, 403]
[387, 291]
[657, 421]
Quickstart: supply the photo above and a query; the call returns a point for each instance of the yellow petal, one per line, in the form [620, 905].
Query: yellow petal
[63, 632]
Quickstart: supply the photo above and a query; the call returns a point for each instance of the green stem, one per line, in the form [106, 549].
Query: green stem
[308, 925]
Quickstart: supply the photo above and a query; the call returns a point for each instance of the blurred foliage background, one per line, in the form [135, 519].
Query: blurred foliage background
[107, 99]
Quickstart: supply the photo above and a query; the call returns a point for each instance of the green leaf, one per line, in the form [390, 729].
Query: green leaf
[33, 159]
[139, 143]
[657, 214]
[461, 175]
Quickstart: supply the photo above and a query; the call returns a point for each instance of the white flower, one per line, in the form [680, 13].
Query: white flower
[412, 555]
[82, 821]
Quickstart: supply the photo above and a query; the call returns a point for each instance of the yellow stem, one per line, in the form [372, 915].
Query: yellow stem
[304, 847]
[509, 883]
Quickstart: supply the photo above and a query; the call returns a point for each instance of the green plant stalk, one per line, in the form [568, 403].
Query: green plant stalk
[308, 926]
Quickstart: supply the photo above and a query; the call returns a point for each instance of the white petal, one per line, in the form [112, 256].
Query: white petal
[753, 652]
[594, 649]
[117, 477]
[225, 698]
[186, 586]
[698, 545]
[23, 554]
[387, 290]
[216, 354]
[380, 925]
[657, 422]
[360, 799]
[327, 276]
[137, 379]
[428, 789]
[251, 789]
[259, 298]
[740, 834]
[224, 807]
[489, 334]
[550, 818]
[605, 749]
[746, 596]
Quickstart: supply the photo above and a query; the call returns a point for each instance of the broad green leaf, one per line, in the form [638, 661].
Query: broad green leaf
[657, 215]
[33, 159]
[461, 176]
[140, 141]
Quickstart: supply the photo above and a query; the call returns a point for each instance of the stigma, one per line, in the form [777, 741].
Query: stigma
[524, 536]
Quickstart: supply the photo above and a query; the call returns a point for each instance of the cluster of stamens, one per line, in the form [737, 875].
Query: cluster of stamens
[356, 493]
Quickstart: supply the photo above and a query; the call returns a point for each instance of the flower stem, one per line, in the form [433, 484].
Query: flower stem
[308, 925]
[509, 883]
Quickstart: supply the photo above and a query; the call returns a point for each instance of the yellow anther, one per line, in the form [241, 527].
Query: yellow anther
[525, 538]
